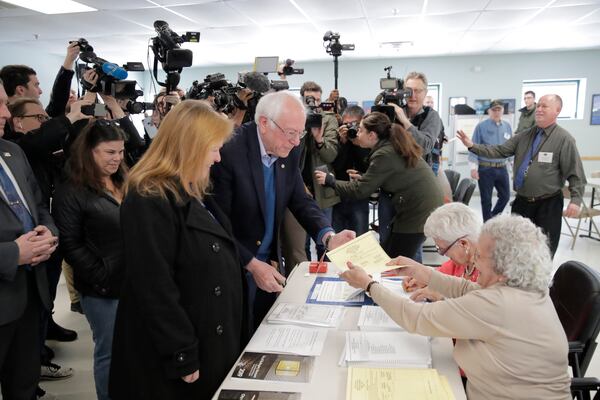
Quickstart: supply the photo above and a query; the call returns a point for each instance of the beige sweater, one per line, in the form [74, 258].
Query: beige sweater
[510, 342]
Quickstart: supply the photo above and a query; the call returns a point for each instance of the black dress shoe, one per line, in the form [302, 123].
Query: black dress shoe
[57, 332]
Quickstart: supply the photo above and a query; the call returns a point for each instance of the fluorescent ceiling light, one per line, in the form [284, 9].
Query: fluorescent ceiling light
[52, 7]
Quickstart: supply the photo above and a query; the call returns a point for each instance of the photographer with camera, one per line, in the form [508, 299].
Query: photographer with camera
[395, 167]
[350, 163]
[319, 150]
[423, 122]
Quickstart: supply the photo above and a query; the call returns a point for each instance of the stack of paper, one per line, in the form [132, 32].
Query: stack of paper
[392, 349]
[395, 383]
[288, 339]
[335, 291]
[307, 314]
[373, 318]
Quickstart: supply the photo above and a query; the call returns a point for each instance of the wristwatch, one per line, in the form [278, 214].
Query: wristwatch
[327, 240]
[368, 289]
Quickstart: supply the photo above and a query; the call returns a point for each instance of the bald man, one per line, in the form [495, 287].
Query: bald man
[546, 157]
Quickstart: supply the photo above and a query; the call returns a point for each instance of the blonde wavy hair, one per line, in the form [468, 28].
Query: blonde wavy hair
[179, 151]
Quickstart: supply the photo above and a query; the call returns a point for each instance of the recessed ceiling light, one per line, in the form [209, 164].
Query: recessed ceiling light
[52, 7]
[397, 45]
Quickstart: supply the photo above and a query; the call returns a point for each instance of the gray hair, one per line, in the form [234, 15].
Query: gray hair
[521, 252]
[452, 221]
[272, 105]
[417, 75]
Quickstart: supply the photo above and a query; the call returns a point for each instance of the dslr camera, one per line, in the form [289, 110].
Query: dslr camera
[352, 132]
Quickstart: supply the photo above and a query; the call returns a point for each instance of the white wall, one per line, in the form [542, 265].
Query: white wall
[500, 76]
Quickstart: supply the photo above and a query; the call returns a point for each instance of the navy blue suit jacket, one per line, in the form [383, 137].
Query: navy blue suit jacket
[238, 186]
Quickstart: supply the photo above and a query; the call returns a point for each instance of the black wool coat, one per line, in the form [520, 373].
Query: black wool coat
[181, 306]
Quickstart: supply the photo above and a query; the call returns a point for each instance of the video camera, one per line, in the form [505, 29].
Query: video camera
[166, 49]
[111, 77]
[314, 118]
[219, 90]
[288, 68]
[393, 93]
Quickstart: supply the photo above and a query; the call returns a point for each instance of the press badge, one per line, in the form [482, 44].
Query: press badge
[545, 157]
[506, 135]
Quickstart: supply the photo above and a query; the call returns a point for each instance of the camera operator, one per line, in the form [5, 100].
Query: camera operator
[134, 144]
[162, 103]
[319, 150]
[423, 122]
[22, 81]
[350, 163]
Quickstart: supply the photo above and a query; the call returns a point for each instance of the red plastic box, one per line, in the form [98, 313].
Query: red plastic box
[317, 267]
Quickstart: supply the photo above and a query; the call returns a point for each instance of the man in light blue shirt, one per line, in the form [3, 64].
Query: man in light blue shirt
[491, 172]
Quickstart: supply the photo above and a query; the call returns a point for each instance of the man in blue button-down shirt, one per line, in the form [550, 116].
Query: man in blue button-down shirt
[491, 172]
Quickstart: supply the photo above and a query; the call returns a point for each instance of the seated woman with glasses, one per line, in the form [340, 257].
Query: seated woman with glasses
[87, 213]
[509, 340]
[454, 228]
[408, 186]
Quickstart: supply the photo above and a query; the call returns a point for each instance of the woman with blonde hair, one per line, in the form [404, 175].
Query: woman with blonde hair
[179, 320]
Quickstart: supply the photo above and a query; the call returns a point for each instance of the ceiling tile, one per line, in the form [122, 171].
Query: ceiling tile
[213, 14]
[116, 4]
[515, 4]
[261, 11]
[562, 15]
[504, 19]
[331, 9]
[392, 8]
[454, 6]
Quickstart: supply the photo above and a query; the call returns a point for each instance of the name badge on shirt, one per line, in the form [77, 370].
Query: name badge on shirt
[545, 157]
[506, 135]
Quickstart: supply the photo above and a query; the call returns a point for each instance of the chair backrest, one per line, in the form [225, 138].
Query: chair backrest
[453, 178]
[575, 292]
[464, 191]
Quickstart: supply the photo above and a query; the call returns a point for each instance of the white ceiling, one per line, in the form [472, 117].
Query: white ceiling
[235, 31]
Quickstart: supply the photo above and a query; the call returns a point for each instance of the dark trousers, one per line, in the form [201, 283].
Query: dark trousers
[490, 178]
[320, 247]
[404, 244]
[259, 303]
[546, 213]
[53, 270]
[20, 349]
[385, 215]
[351, 214]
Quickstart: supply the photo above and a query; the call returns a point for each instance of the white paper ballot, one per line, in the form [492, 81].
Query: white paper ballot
[373, 318]
[388, 348]
[288, 339]
[307, 314]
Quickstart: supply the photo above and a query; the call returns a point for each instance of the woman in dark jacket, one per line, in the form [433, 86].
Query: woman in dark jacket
[86, 210]
[405, 179]
[179, 320]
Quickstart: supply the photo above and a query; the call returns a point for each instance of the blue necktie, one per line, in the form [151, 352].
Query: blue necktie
[15, 202]
[520, 177]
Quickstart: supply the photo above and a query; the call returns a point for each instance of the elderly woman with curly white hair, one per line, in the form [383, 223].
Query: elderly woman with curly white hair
[510, 342]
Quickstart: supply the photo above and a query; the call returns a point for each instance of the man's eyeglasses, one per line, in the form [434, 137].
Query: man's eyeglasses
[39, 117]
[443, 252]
[290, 134]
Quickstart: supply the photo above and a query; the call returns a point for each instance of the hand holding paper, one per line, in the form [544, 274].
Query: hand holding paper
[364, 251]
